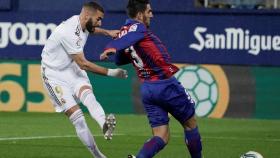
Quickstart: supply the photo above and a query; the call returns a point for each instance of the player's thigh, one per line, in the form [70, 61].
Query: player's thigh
[80, 83]
[180, 104]
[156, 115]
[61, 95]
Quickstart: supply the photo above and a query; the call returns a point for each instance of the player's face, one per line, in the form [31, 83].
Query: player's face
[95, 20]
[148, 14]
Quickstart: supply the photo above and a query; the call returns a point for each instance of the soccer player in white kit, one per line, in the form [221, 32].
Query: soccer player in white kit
[64, 74]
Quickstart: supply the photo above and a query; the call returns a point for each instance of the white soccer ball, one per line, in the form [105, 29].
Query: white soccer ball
[251, 154]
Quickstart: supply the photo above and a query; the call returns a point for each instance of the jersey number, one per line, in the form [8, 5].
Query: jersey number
[136, 59]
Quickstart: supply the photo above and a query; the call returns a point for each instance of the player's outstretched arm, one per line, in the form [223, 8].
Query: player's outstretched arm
[84, 64]
[111, 33]
[129, 38]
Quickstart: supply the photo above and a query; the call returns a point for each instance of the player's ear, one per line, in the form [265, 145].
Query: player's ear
[84, 14]
[139, 16]
[88, 14]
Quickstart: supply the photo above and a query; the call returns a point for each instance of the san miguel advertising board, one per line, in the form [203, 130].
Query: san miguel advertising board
[222, 39]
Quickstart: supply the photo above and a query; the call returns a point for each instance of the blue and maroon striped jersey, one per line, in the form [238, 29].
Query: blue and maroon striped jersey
[136, 44]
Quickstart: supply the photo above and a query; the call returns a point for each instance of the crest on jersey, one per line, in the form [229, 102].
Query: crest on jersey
[133, 28]
[78, 43]
[62, 100]
[58, 91]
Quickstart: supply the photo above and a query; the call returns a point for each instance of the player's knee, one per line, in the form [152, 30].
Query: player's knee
[163, 133]
[190, 123]
[166, 137]
[87, 96]
[78, 119]
[70, 111]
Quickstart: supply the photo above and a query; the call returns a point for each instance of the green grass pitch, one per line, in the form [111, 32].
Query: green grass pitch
[44, 135]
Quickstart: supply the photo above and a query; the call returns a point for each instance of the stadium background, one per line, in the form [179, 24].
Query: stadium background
[250, 80]
[229, 60]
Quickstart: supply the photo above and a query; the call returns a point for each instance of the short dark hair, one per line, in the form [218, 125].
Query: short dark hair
[136, 6]
[94, 5]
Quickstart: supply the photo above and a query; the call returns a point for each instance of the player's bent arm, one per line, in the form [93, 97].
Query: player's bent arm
[101, 31]
[86, 65]
[135, 33]
[121, 43]
[126, 41]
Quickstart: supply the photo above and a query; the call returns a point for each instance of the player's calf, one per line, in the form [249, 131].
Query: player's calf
[151, 147]
[78, 120]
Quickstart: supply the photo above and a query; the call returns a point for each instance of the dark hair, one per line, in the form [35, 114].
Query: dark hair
[94, 5]
[136, 6]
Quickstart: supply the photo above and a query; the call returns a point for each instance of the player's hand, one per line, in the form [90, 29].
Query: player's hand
[113, 33]
[119, 73]
[104, 56]
[106, 53]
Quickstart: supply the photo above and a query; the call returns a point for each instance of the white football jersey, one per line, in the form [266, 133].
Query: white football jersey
[68, 38]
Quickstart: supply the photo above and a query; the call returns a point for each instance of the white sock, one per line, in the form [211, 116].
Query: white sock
[83, 132]
[95, 109]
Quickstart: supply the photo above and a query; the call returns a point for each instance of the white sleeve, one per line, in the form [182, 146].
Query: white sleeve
[71, 43]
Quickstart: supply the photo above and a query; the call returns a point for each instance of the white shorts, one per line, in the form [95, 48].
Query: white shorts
[63, 85]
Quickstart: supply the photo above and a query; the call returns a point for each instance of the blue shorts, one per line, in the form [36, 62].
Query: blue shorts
[163, 96]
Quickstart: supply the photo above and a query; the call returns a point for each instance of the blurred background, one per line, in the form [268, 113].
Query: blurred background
[228, 51]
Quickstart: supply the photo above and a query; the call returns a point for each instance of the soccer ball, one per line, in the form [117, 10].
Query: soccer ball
[202, 87]
[251, 154]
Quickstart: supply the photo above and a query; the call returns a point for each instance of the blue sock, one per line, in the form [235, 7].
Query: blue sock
[193, 142]
[151, 147]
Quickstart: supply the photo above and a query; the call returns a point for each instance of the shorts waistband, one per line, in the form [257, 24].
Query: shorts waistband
[171, 79]
[43, 64]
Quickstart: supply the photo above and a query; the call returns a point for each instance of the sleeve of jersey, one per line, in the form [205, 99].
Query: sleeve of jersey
[72, 44]
[122, 58]
[135, 34]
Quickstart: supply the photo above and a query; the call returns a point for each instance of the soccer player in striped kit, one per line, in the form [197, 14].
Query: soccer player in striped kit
[161, 92]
